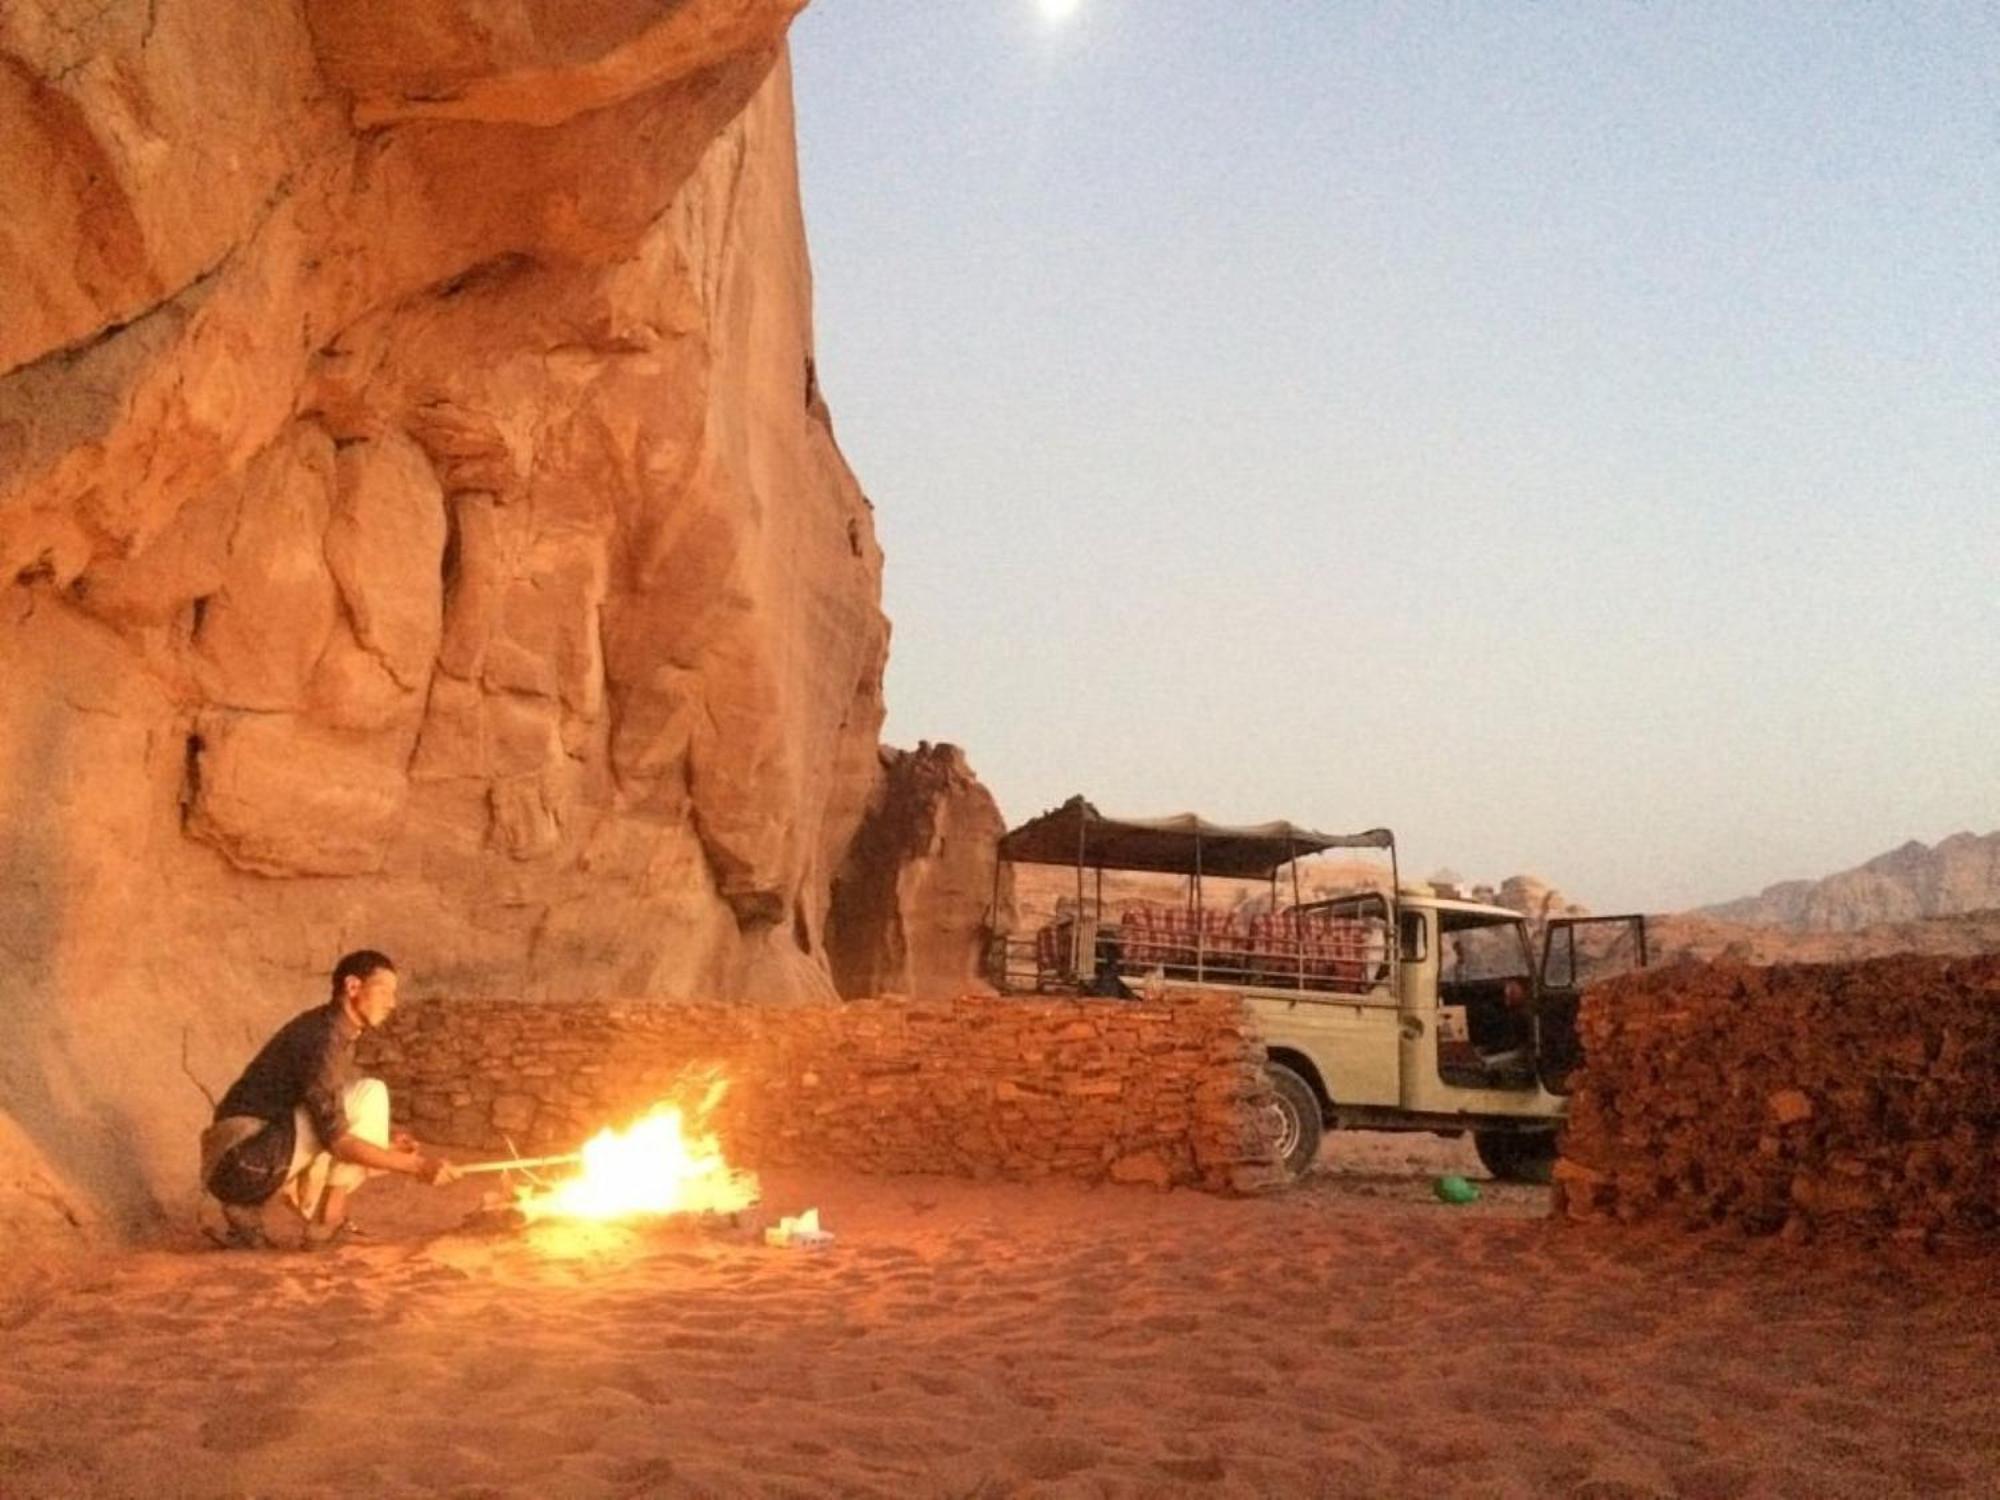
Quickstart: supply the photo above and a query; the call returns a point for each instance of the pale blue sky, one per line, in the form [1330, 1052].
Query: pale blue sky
[1569, 434]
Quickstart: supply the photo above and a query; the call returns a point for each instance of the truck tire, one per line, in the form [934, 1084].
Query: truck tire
[1298, 1120]
[1516, 1155]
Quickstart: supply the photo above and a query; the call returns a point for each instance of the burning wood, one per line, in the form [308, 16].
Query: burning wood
[655, 1166]
[664, 1163]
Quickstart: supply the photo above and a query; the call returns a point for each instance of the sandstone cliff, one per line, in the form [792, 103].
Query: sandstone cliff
[1962, 874]
[419, 528]
[915, 903]
[1532, 896]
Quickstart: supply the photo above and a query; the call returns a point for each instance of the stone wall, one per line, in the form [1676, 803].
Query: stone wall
[1167, 1093]
[1858, 1098]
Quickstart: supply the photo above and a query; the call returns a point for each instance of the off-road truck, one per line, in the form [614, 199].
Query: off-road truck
[1457, 1024]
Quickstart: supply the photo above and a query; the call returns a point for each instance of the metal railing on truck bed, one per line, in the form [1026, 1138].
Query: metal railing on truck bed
[1290, 949]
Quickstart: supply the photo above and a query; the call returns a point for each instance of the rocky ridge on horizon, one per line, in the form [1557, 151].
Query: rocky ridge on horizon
[1961, 874]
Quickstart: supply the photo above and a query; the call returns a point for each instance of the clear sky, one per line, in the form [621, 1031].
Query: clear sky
[1568, 433]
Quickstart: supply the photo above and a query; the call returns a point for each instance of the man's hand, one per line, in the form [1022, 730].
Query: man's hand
[436, 1171]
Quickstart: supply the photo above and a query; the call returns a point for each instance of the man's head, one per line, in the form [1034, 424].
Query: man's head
[365, 982]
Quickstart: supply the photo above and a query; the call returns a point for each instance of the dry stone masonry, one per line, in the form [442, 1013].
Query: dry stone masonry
[1168, 1093]
[1856, 1098]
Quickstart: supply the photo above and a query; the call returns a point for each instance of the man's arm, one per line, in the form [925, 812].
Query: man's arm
[432, 1169]
[323, 1096]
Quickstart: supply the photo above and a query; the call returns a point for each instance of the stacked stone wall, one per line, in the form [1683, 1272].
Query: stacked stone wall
[1169, 1092]
[1861, 1097]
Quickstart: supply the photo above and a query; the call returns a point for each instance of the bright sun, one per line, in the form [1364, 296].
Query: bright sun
[1058, 10]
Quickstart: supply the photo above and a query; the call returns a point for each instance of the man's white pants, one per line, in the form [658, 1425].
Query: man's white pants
[313, 1168]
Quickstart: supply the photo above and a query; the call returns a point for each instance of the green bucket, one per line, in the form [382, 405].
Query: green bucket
[1455, 1190]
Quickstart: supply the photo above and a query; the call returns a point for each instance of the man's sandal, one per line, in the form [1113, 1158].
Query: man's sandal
[243, 1229]
[333, 1236]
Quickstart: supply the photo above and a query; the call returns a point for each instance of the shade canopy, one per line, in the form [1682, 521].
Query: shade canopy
[1078, 834]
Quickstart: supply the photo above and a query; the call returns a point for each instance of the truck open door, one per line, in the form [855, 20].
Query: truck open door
[1578, 951]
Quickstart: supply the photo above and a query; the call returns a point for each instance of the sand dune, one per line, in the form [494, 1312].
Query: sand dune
[1352, 1338]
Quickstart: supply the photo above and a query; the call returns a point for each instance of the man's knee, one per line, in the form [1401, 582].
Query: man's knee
[347, 1176]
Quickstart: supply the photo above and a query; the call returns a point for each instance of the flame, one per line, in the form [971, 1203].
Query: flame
[657, 1165]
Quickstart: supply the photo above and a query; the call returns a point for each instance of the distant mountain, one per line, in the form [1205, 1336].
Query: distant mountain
[1691, 937]
[1962, 874]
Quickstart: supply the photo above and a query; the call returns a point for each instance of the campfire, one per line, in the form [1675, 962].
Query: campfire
[654, 1166]
[667, 1162]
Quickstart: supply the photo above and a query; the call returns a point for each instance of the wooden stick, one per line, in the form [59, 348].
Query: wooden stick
[524, 1163]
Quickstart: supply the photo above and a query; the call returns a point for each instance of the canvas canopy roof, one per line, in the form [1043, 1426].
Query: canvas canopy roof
[1077, 833]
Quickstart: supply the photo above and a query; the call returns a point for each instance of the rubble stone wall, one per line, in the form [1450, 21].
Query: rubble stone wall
[1859, 1097]
[1167, 1093]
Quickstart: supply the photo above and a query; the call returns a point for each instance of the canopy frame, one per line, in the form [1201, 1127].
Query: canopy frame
[1185, 844]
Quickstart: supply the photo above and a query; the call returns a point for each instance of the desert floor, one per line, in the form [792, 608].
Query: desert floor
[1350, 1338]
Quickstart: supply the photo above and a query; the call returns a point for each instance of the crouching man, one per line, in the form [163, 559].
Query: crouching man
[301, 1123]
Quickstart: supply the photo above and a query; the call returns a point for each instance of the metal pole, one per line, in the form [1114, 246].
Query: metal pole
[997, 938]
[1097, 938]
[1298, 917]
[1076, 932]
[1200, 935]
[1395, 923]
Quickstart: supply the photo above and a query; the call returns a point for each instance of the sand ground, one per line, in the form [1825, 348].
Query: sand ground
[1351, 1338]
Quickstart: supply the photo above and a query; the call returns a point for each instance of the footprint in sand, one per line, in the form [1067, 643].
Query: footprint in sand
[1053, 1457]
[1227, 1383]
[242, 1427]
[712, 1320]
[1713, 1480]
[1832, 1411]
[1209, 1470]
[642, 1384]
[645, 1475]
[885, 1252]
[485, 1374]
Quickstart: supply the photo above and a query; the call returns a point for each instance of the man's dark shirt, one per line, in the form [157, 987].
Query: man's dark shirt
[311, 1062]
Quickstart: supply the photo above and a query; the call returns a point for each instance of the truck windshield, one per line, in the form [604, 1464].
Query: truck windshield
[1477, 947]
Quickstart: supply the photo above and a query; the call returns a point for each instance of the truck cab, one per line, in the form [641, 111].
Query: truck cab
[1393, 1005]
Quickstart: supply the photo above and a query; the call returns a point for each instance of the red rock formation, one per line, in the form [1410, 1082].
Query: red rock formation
[419, 528]
[913, 905]
[1960, 875]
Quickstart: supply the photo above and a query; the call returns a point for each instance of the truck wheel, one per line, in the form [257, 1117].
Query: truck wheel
[1517, 1156]
[1297, 1115]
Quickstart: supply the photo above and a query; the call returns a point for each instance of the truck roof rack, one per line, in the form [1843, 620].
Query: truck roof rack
[1078, 834]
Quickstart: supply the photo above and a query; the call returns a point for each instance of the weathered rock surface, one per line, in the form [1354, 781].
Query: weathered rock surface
[1961, 874]
[1532, 896]
[419, 528]
[913, 905]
